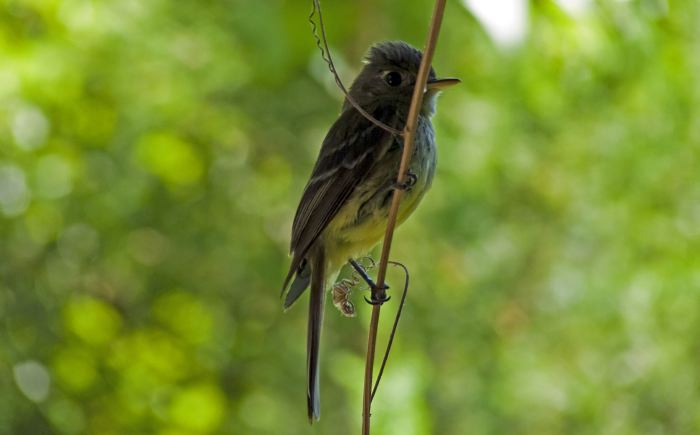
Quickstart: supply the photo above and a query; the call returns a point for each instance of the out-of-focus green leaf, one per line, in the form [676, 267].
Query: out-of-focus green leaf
[152, 155]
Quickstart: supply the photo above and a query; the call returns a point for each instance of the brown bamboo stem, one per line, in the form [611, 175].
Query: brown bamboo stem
[409, 138]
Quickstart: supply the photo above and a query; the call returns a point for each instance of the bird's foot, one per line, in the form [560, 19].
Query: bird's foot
[378, 296]
[378, 293]
[407, 185]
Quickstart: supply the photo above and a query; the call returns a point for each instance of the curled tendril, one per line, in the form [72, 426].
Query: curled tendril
[322, 43]
[392, 335]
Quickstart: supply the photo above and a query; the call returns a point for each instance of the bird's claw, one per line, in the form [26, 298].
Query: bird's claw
[378, 296]
[377, 301]
[407, 185]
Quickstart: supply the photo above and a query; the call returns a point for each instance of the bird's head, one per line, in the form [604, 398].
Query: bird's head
[389, 76]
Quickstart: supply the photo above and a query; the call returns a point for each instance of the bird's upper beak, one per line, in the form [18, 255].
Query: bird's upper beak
[440, 84]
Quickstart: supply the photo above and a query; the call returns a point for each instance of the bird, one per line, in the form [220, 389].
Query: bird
[344, 207]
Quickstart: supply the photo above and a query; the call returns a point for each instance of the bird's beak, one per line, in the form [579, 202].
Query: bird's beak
[440, 84]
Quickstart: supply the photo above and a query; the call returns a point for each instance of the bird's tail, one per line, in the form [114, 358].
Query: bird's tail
[316, 303]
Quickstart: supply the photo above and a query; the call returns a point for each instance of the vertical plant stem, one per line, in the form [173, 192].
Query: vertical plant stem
[369, 365]
[409, 137]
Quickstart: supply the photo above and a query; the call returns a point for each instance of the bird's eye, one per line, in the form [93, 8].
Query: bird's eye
[393, 78]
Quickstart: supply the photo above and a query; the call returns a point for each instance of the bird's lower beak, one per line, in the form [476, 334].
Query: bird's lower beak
[440, 84]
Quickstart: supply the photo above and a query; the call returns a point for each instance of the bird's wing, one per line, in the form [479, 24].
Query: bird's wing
[350, 149]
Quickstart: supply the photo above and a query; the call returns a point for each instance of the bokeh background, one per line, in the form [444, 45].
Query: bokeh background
[152, 155]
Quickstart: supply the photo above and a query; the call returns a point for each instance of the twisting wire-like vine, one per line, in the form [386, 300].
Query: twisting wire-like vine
[393, 327]
[322, 43]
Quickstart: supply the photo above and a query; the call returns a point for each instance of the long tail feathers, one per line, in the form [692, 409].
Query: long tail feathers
[316, 303]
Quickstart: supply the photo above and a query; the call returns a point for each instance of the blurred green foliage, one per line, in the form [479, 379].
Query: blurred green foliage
[151, 159]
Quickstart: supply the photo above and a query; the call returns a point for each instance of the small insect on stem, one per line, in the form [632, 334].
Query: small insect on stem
[343, 288]
[341, 296]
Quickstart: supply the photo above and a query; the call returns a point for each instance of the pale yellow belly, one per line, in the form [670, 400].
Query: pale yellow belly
[344, 239]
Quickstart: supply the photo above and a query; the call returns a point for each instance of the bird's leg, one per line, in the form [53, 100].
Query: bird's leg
[378, 294]
[362, 272]
[407, 185]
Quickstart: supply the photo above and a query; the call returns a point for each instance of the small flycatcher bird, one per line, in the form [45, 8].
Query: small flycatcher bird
[343, 210]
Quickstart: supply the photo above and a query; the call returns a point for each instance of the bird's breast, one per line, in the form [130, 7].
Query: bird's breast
[361, 223]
